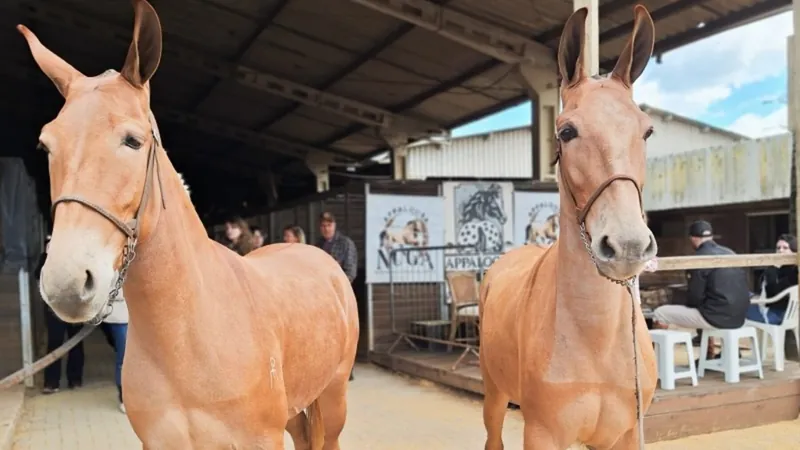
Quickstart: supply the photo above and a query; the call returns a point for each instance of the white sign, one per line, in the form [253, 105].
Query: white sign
[404, 223]
[536, 218]
[479, 216]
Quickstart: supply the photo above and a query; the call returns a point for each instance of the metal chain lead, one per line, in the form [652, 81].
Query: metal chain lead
[128, 254]
[630, 286]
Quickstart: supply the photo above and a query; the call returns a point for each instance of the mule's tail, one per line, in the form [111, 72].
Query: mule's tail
[315, 427]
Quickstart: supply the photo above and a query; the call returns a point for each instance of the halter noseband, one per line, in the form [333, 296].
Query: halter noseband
[130, 228]
[582, 212]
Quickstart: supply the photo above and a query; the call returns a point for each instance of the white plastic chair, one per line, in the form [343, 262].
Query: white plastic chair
[777, 333]
[729, 362]
[668, 372]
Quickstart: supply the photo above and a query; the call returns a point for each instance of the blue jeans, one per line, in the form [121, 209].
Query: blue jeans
[119, 336]
[774, 316]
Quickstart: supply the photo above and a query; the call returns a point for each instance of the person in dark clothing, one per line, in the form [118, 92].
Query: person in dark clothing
[240, 238]
[56, 329]
[339, 246]
[716, 298]
[774, 281]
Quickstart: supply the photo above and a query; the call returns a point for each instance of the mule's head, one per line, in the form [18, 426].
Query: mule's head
[98, 148]
[601, 135]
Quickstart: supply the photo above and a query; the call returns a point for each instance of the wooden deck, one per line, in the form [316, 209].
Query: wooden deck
[711, 406]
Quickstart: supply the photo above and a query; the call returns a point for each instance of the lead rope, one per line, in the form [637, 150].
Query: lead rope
[634, 295]
[128, 255]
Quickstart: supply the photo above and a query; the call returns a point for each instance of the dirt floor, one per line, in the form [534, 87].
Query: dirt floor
[386, 412]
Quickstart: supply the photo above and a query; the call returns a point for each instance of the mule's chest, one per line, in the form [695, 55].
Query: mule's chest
[197, 429]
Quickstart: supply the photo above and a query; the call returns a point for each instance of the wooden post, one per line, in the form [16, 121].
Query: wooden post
[793, 103]
[591, 55]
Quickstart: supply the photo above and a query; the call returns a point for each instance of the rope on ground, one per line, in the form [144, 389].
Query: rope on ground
[18, 376]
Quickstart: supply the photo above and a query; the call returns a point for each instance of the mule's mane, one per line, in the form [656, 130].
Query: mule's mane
[185, 185]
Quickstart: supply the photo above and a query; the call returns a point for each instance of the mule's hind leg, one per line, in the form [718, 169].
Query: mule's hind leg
[297, 429]
[494, 412]
[333, 406]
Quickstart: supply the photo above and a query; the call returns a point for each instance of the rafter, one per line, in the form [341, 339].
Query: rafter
[335, 104]
[491, 40]
[239, 134]
[243, 48]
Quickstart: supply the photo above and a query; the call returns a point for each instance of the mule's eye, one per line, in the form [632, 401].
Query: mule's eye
[567, 133]
[648, 133]
[41, 146]
[132, 142]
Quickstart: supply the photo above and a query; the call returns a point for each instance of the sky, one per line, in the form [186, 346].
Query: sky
[734, 80]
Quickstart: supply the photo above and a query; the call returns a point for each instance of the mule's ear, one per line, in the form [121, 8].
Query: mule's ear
[58, 70]
[570, 48]
[144, 54]
[637, 51]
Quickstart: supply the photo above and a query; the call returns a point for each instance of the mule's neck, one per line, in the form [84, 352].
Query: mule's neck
[582, 294]
[163, 276]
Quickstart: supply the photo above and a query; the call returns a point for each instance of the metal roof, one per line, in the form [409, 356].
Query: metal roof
[251, 86]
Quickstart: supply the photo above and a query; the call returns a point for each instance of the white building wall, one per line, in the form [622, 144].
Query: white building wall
[509, 153]
[504, 154]
[673, 136]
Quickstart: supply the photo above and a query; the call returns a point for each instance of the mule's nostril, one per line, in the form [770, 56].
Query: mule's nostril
[606, 250]
[88, 287]
[651, 247]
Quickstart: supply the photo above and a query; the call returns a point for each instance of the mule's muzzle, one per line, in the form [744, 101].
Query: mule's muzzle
[622, 256]
[76, 292]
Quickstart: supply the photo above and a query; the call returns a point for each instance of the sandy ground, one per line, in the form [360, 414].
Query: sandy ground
[386, 412]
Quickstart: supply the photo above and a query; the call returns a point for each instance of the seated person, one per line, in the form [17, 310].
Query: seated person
[717, 298]
[774, 281]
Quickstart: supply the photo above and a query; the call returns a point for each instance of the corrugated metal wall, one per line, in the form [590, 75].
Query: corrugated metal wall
[505, 154]
[744, 172]
[509, 154]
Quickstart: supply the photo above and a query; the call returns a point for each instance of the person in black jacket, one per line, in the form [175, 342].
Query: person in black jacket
[716, 298]
[774, 281]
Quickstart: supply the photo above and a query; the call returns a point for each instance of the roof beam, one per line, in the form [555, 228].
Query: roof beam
[491, 40]
[243, 48]
[239, 134]
[335, 104]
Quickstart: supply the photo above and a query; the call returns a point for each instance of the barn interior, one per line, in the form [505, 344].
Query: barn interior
[262, 103]
[257, 98]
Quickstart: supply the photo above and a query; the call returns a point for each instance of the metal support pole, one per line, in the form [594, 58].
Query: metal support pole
[25, 322]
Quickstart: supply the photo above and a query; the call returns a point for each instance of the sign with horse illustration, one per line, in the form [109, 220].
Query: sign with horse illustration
[536, 218]
[478, 215]
[404, 223]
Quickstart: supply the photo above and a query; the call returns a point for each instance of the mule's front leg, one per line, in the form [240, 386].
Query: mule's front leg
[537, 437]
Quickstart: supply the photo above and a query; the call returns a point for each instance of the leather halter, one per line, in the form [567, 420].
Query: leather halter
[584, 211]
[130, 228]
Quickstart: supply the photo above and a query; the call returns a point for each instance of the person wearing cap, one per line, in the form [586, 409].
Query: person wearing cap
[716, 298]
[339, 246]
